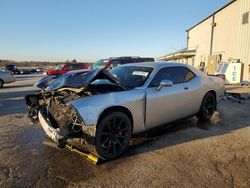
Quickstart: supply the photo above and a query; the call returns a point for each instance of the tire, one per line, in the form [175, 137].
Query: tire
[113, 135]
[1, 83]
[207, 108]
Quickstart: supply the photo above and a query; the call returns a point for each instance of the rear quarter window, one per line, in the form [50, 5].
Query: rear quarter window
[188, 75]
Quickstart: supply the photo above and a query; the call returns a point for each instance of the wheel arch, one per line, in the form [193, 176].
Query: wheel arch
[123, 109]
[214, 93]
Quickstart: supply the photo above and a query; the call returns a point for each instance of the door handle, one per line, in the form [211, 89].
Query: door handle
[186, 88]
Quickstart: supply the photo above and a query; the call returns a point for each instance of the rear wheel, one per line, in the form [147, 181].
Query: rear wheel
[1, 83]
[113, 135]
[207, 108]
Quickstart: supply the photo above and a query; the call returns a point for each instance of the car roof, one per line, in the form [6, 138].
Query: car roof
[159, 65]
[155, 64]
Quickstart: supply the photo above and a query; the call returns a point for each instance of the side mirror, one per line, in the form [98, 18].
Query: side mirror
[165, 83]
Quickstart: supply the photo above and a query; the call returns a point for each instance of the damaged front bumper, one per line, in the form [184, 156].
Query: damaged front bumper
[51, 132]
[83, 140]
[54, 134]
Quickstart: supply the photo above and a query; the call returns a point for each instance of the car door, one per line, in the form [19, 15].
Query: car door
[170, 103]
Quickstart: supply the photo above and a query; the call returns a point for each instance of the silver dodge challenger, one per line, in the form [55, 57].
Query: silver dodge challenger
[101, 110]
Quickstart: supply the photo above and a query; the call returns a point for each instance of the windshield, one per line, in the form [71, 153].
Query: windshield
[58, 67]
[100, 64]
[131, 76]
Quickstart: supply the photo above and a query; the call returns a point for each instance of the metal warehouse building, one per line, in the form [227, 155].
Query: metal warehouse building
[223, 36]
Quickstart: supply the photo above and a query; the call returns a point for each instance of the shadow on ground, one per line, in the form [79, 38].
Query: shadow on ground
[231, 117]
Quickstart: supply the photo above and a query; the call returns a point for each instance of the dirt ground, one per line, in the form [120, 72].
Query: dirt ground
[187, 154]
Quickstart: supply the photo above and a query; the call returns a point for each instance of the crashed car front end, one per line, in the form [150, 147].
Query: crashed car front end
[58, 118]
[53, 109]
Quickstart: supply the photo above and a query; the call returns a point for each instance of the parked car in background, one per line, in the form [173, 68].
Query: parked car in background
[26, 70]
[20, 70]
[39, 70]
[45, 71]
[13, 68]
[112, 62]
[104, 109]
[66, 67]
[6, 76]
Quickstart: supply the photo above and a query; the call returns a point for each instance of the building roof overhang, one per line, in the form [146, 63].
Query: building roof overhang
[184, 53]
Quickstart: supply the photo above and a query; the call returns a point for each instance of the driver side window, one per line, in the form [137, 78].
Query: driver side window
[175, 74]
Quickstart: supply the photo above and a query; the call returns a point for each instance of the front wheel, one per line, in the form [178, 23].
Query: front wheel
[207, 108]
[113, 135]
[1, 83]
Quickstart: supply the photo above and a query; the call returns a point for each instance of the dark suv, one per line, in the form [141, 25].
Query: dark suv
[115, 61]
[13, 68]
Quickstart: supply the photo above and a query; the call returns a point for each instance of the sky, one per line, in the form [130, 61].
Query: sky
[88, 30]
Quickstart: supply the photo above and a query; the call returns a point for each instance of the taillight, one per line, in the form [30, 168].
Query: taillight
[222, 76]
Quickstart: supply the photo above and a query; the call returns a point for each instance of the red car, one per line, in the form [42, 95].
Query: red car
[63, 68]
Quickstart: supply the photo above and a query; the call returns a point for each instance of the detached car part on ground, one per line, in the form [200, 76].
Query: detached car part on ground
[104, 109]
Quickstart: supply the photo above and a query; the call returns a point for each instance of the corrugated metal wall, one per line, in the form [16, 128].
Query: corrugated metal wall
[231, 37]
[226, 31]
[199, 38]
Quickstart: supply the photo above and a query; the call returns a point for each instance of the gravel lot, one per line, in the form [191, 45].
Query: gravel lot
[187, 154]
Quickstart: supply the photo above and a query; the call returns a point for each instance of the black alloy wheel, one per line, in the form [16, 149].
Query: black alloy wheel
[113, 135]
[208, 107]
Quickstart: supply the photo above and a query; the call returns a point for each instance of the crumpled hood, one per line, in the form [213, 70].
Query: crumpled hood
[82, 80]
[45, 81]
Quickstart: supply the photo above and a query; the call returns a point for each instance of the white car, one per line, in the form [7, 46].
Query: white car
[6, 77]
